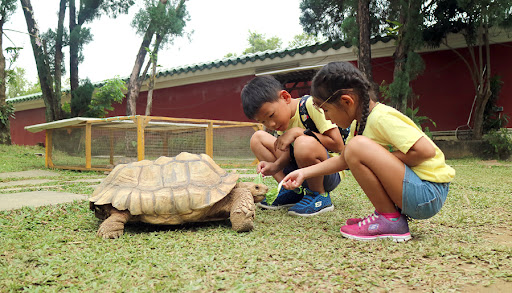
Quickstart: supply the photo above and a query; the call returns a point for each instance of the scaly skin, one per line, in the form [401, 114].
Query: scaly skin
[113, 226]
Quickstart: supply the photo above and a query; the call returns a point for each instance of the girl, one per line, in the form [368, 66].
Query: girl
[398, 167]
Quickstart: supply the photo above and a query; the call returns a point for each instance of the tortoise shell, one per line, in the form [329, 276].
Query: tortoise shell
[167, 190]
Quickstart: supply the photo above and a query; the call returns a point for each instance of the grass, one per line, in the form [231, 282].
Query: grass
[467, 245]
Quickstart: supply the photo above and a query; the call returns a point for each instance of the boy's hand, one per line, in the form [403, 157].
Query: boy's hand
[266, 168]
[284, 141]
[294, 179]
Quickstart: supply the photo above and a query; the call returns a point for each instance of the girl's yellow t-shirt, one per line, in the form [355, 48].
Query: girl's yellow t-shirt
[393, 130]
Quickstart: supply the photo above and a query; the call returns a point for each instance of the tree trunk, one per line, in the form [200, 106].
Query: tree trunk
[52, 103]
[74, 30]
[364, 58]
[5, 131]
[149, 103]
[484, 89]
[3, 76]
[58, 48]
[154, 58]
[400, 57]
[133, 83]
[135, 80]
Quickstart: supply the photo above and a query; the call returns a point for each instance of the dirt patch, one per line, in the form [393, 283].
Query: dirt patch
[498, 287]
[491, 163]
[500, 236]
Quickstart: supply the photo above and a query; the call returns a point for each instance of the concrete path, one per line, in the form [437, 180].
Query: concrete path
[28, 174]
[13, 201]
[10, 201]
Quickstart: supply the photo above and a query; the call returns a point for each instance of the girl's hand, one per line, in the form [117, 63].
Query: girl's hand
[266, 168]
[294, 179]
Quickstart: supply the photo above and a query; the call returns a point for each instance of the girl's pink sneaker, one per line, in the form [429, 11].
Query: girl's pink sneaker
[376, 226]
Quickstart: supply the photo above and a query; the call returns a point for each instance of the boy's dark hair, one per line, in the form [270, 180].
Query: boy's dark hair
[259, 90]
[343, 75]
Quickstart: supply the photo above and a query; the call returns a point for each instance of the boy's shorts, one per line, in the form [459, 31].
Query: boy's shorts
[422, 199]
[330, 181]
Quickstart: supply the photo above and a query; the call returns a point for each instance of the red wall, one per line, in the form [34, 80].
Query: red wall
[19, 135]
[219, 100]
[445, 89]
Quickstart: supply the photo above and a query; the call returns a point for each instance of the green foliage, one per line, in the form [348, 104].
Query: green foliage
[466, 17]
[7, 8]
[82, 37]
[304, 40]
[81, 98]
[259, 43]
[420, 120]
[271, 194]
[493, 118]
[166, 21]
[400, 88]
[499, 143]
[16, 82]
[6, 112]
[103, 98]
[50, 40]
[337, 19]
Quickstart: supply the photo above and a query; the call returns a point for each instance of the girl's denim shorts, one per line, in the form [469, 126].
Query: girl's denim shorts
[422, 199]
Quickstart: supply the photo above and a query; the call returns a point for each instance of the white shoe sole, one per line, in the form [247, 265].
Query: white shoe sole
[394, 237]
[324, 210]
[274, 208]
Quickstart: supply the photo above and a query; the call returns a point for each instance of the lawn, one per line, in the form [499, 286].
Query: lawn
[466, 247]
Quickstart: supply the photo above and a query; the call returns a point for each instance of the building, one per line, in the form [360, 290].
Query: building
[212, 90]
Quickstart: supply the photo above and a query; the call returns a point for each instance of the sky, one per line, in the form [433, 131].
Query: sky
[218, 27]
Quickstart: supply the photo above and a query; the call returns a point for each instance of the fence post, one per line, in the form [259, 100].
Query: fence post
[140, 138]
[88, 145]
[209, 140]
[48, 148]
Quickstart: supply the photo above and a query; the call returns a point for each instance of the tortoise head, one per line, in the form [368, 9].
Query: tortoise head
[258, 191]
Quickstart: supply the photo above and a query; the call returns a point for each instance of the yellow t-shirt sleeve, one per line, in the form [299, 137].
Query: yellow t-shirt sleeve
[318, 117]
[396, 134]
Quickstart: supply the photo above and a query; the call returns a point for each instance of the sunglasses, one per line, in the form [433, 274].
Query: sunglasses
[333, 94]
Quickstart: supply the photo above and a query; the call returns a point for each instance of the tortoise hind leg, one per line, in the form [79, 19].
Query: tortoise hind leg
[242, 210]
[113, 226]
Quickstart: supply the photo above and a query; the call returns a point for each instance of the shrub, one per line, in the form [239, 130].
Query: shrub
[499, 143]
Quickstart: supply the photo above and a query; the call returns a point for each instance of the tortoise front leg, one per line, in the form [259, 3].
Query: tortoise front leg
[242, 210]
[113, 226]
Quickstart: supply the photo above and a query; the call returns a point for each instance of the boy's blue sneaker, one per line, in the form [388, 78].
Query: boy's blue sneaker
[312, 204]
[285, 199]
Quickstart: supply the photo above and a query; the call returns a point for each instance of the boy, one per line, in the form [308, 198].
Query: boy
[264, 100]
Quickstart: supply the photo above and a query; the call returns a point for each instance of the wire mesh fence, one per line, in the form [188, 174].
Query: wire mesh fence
[100, 144]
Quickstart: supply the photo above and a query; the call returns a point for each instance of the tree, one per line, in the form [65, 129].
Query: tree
[51, 100]
[364, 54]
[151, 85]
[6, 9]
[259, 43]
[47, 47]
[164, 21]
[304, 39]
[408, 63]
[102, 99]
[475, 20]
[80, 35]
[352, 21]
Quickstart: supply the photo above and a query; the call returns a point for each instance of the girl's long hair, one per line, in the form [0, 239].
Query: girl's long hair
[343, 75]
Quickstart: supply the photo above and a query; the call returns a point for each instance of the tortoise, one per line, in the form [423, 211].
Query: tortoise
[172, 191]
